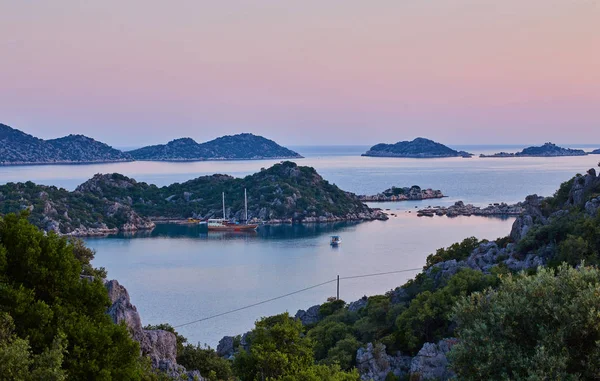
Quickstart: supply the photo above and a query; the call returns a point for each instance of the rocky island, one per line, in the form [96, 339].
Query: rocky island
[595, 152]
[402, 194]
[460, 209]
[17, 147]
[418, 148]
[547, 150]
[111, 203]
[230, 147]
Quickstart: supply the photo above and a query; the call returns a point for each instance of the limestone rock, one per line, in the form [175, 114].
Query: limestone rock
[431, 362]
[225, 347]
[373, 363]
[358, 305]
[310, 316]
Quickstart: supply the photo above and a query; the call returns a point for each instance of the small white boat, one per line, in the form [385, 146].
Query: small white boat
[335, 240]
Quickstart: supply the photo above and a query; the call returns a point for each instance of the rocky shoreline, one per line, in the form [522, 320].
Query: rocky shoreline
[395, 194]
[460, 209]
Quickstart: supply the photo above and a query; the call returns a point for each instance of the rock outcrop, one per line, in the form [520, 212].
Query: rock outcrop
[374, 364]
[159, 345]
[310, 316]
[431, 362]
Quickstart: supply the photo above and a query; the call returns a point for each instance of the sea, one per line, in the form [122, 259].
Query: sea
[209, 285]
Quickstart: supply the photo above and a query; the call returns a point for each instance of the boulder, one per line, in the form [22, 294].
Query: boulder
[358, 305]
[310, 316]
[225, 348]
[431, 362]
[374, 364]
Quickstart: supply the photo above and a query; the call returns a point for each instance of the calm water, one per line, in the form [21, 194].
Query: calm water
[178, 274]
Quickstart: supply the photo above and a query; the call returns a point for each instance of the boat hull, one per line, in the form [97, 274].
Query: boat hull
[233, 228]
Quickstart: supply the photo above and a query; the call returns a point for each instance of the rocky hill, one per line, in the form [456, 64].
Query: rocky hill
[403, 194]
[17, 147]
[230, 147]
[546, 150]
[417, 148]
[113, 202]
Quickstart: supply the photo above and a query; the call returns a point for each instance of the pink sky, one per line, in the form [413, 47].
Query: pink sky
[303, 72]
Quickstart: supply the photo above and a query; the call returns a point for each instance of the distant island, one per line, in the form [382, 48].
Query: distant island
[230, 147]
[111, 203]
[19, 148]
[418, 148]
[595, 152]
[547, 150]
[403, 194]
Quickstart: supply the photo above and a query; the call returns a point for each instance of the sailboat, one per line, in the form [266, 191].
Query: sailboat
[223, 224]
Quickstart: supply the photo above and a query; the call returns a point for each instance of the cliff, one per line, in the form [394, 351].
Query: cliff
[16, 147]
[403, 194]
[234, 147]
[417, 148]
[546, 150]
[159, 345]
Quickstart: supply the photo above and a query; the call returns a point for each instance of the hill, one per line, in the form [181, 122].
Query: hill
[17, 147]
[230, 147]
[546, 150]
[113, 202]
[417, 148]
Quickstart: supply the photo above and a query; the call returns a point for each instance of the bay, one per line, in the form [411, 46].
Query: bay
[179, 274]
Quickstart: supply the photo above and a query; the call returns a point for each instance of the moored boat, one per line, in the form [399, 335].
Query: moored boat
[223, 224]
[335, 240]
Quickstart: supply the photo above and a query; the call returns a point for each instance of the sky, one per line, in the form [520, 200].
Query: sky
[134, 72]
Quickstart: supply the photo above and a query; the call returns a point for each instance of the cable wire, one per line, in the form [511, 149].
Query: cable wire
[293, 293]
[256, 304]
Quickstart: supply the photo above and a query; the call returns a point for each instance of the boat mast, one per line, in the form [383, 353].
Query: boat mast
[246, 204]
[224, 205]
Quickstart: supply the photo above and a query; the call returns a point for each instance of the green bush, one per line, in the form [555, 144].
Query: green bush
[540, 327]
[458, 251]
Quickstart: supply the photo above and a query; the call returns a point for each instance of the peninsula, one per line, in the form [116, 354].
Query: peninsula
[418, 148]
[230, 147]
[403, 194]
[547, 150]
[111, 203]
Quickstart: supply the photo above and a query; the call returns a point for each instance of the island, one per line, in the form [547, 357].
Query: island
[595, 152]
[402, 194]
[418, 148]
[17, 147]
[460, 209]
[546, 150]
[231, 147]
[111, 203]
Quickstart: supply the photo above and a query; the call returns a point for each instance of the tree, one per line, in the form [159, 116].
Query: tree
[56, 311]
[277, 349]
[543, 326]
[428, 317]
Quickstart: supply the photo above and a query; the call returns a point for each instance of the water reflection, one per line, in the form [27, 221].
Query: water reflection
[264, 232]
